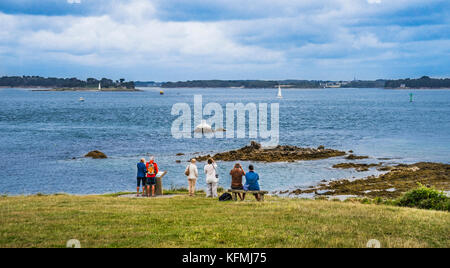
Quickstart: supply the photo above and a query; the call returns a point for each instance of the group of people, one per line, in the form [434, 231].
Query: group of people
[146, 176]
[212, 178]
[147, 172]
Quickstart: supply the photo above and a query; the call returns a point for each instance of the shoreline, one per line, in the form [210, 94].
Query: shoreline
[165, 88]
[392, 184]
[87, 90]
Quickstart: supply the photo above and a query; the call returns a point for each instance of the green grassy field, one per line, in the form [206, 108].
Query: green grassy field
[181, 221]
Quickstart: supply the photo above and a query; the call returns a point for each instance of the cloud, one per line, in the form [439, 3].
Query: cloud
[178, 40]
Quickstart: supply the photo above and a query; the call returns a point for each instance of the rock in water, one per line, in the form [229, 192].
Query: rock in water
[96, 155]
[356, 157]
[255, 145]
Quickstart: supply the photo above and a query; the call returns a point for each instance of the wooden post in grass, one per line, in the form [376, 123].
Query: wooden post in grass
[159, 190]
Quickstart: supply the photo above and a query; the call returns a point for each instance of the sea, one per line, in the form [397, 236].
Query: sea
[45, 135]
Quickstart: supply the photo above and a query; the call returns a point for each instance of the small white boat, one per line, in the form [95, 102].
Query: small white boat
[280, 95]
[81, 99]
[203, 128]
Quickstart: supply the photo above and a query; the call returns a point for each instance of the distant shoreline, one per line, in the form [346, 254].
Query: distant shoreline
[418, 88]
[87, 90]
[424, 88]
[44, 89]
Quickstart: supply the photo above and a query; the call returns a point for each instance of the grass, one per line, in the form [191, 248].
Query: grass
[181, 221]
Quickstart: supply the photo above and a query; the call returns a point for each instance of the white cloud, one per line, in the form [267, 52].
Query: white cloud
[104, 40]
[74, 1]
[302, 39]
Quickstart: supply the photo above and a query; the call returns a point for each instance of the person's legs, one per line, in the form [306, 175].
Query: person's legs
[190, 187]
[209, 190]
[138, 186]
[153, 184]
[214, 189]
[148, 186]
[192, 183]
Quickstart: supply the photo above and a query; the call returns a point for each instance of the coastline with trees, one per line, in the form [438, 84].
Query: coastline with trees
[66, 84]
[75, 84]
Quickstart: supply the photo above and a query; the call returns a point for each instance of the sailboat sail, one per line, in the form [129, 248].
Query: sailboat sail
[280, 95]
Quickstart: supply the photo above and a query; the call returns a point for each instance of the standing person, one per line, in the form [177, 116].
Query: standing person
[212, 178]
[236, 179]
[152, 171]
[141, 173]
[251, 181]
[192, 175]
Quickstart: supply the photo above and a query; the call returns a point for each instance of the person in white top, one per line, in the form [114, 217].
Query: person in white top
[192, 175]
[212, 178]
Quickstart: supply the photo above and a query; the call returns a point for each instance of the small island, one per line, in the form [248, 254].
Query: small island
[255, 152]
[37, 83]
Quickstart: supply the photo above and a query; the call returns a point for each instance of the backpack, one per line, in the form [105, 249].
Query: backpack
[151, 170]
[187, 172]
[225, 197]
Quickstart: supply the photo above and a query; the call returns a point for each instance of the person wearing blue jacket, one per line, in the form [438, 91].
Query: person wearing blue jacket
[141, 176]
[252, 182]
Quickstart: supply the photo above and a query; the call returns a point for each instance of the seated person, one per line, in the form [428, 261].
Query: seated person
[236, 179]
[251, 182]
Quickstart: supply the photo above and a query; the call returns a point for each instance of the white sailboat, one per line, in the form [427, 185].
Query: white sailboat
[203, 128]
[280, 95]
[99, 86]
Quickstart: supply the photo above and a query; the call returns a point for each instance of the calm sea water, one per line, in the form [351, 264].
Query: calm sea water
[43, 135]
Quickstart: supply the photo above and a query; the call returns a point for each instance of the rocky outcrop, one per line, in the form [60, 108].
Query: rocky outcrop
[255, 152]
[96, 155]
[399, 180]
[357, 167]
[356, 157]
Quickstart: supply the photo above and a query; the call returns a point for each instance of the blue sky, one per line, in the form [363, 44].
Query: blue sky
[171, 40]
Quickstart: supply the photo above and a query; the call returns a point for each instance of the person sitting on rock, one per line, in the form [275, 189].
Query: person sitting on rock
[251, 182]
[236, 178]
[152, 171]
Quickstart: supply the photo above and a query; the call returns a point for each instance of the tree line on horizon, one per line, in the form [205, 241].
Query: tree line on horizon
[241, 83]
[37, 81]
[423, 82]
[51, 82]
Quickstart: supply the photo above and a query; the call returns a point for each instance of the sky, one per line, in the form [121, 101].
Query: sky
[177, 40]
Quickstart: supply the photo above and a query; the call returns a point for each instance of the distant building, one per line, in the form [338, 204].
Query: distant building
[333, 85]
[403, 86]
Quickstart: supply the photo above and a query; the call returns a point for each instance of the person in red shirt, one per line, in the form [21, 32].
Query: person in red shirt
[152, 171]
